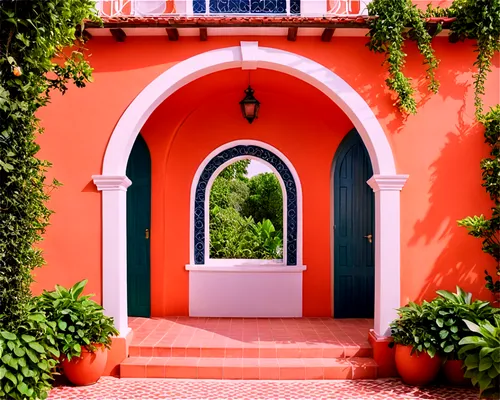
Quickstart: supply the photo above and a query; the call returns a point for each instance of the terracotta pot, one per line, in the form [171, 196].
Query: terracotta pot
[87, 369]
[418, 369]
[454, 373]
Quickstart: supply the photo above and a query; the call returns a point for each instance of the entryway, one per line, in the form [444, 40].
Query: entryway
[353, 238]
[138, 230]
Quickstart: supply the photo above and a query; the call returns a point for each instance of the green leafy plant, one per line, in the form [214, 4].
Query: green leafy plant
[387, 35]
[480, 226]
[451, 309]
[414, 328]
[481, 353]
[478, 20]
[40, 51]
[28, 358]
[398, 20]
[269, 239]
[79, 322]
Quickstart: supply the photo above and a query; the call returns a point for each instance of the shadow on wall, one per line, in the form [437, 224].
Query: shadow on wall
[456, 168]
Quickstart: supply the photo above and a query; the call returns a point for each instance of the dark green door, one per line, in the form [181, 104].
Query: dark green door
[138, 226]
[354, 283]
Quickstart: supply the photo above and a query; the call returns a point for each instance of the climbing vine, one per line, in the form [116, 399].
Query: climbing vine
[387, 35]
[479, 226]
[398, 20]
[35, 38]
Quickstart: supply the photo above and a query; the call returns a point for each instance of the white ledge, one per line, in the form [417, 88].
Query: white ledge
[246, 268]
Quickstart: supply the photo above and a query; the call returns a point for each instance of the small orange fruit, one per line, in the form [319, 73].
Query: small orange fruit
[17, 71]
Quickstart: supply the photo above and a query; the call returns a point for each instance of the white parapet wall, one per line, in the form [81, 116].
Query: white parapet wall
[245, 290]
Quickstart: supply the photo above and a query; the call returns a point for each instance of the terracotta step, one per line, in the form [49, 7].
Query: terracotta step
[279, 351]
[249, 368]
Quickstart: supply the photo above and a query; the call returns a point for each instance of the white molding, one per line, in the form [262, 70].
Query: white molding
[257, 267]
[111, 182]
[387, 199]
[387, 182]
[249, 55]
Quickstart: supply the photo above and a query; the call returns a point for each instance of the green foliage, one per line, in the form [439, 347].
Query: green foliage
[479, 226]
[32, 63]
[28, 358]
[450, 310]
[269, 239]
[398, 20]
[78, 321]
[481, 353]
[234, 236]
[265, 200]
[479, 20]
[387, 35]
[414, 328]
[236, 202]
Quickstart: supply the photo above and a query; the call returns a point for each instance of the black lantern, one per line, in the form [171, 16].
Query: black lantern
[250, 105]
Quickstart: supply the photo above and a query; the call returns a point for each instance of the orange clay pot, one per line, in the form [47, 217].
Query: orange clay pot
[454, 373]
[417, 369]
[87, 369]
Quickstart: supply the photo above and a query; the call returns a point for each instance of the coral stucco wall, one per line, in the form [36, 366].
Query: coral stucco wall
[439, 148]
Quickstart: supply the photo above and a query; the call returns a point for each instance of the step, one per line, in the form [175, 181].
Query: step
[258, 351]
[249, 368]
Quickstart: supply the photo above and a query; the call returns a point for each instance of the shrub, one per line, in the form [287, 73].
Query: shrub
[78, 321]
[29, 356]
[481, 351]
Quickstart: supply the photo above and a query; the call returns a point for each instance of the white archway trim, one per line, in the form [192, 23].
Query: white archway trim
[250, 56]
[196, 179]
[127, 129]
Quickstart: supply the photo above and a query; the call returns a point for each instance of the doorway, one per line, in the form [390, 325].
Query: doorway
[353, 237]
[138, 230]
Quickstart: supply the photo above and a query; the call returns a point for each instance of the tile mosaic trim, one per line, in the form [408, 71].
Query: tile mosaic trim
[290, 188]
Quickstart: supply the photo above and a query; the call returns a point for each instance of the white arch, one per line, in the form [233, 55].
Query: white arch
[248, 55]
[197, 176]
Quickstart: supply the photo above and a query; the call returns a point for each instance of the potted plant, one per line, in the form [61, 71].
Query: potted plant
[83, 332]
[449, 328]
[416, 356]
[481, 353]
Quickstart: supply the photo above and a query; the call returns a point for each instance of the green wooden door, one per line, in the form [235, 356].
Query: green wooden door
[354, 282]
[138, 226]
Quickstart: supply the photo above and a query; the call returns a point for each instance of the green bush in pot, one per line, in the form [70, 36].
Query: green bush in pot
[416, 354]
[451, 309]
[80, 322]
[83, 332]
[481, 351]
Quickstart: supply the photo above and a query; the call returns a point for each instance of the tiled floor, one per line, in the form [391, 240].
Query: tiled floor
[258, 338]
[250, 348]
[149, 389]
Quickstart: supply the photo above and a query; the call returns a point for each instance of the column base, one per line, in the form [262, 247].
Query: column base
[117, 353]
[383, 355]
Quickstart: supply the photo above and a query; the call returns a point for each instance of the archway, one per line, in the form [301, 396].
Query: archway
[385, 182]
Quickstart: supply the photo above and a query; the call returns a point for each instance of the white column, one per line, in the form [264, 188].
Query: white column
[387, 190]
[114, 247]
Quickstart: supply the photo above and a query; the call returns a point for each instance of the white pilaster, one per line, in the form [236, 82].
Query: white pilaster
[313, 8]
[114, 247]
[387, 190]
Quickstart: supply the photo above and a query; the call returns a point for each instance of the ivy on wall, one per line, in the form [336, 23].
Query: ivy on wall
[398, 20]
[32, 35]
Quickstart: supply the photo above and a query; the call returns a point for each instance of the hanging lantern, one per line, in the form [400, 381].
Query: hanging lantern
[250, 105]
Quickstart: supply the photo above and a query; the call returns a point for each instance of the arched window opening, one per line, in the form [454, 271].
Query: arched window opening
[246, 213]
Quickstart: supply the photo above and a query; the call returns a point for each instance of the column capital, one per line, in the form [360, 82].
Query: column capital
[380, 183]
[112, 183]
